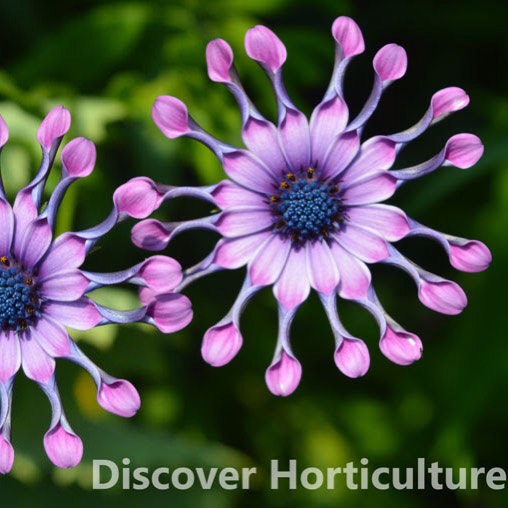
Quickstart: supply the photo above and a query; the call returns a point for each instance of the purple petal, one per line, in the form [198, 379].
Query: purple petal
[387, 221]
[266, 266]
[221, 344]
[236, 252]
[7, 229]
[161, 273]
[64, 449]
[4, 132]
[261, 137]
[119, 397]
[340, 154]
[265, 47]
[80, 315]
[244, 221]
[370, 190]
[353, 274]
[67, 252]
[401, 347]
[293, 286]
[328, 120]
[37, 364]
[219, 59]
[352, 357]
[65, 286]
[171, 116]
[150, 234]
[295, 136]
[54, 126]
[170, 312]
[78, 157]
[463, 150]
[227, 195]
[322, 270]
[348, 36]
[442, 296]
[376, 154]
[52, 337]
[138, 198]
[35, 243]
[472, 256]
[447, 101]
[246, 170]
[10, 355]
[283, 376]
[25, 213]
[362, 243]
[6, 456]
[390, 62]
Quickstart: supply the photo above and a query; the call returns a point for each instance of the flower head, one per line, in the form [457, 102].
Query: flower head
[302, 205]
[43, 290]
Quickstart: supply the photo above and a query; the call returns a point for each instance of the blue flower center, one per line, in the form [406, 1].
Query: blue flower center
[19, 299]
[305, 208]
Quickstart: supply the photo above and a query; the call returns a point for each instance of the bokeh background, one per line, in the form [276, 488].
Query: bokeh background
[106, 61]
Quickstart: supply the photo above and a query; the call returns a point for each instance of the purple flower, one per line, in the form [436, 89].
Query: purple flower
[301, 205]
[43, 290]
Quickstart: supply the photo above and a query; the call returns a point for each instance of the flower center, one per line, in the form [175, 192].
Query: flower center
[306, 209]
[19, 299]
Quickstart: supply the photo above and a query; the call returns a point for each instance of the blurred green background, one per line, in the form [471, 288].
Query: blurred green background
[107, 61]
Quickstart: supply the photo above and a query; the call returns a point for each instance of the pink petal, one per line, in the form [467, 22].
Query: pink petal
[150, 234]
[171, 116]
[295, 136]
[376, 155]
[353, 274]
[119, 397]
[66, 252]
[4, 132]
[146, 295]
[266, 266]
[328, 120]
[362, 243]
[52, 337]
[6, 456]
[265, 47]
[137, 198]
[448, 100]
[78, 157]
[7, 229]
[54, 126]
[262, 138]
[352, 358]
[246, 170]
[35, 243]
[371, 190]
[236, 252]
[390, 62]
[10, 355]
[161, 273]
[401, 347]
[25, 213]
[389, 222]
[63, 448]
[37, 364]
[472, 256]
[348, 35]
[322, 270]
[293, 286]
[65, 286]
[464, 150]
[171, 312]
[221, 344]
[79, 315]
[340, 154]
[283, 376]
[444, 296]
[227, 195]
[219, 59]
[244, 221]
